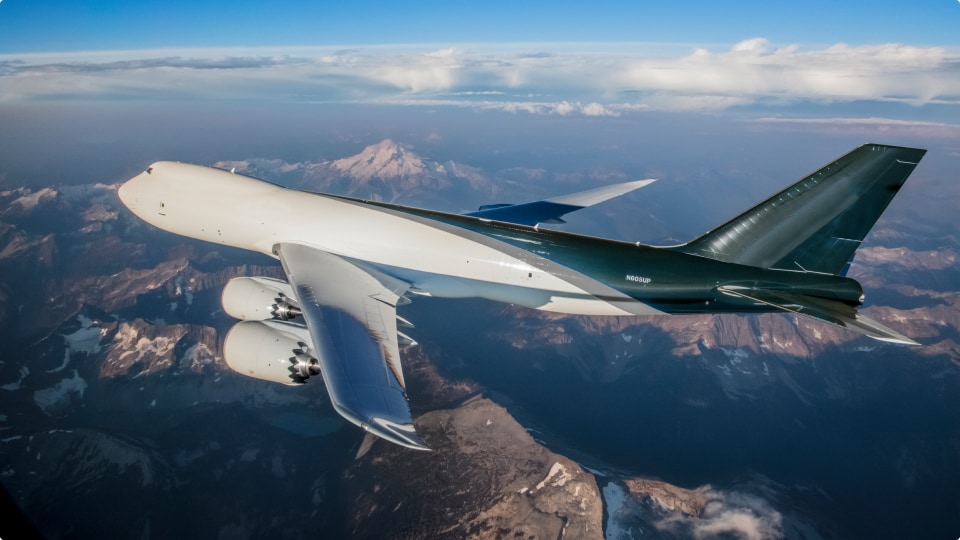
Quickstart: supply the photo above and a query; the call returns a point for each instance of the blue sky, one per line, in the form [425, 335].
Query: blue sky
[61, 25]
[604, 58]
[80, 71]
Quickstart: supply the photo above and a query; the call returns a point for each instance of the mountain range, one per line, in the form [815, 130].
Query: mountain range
[113, 384]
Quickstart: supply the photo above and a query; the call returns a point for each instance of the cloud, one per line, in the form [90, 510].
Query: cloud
[597, 81]
[561, 108]
[727, 514]
[868, 126]
[752, 71]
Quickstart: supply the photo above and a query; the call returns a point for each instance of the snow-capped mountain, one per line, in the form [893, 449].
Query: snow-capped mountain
[386, 171]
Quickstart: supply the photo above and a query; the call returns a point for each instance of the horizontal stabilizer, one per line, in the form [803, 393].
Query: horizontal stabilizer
[821, 309]
[553, 209]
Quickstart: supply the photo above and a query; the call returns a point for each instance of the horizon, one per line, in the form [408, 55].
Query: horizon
[84, 86]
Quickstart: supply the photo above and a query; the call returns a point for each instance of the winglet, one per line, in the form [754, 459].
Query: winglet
[402, 434]
[594, 196]
[552, 209]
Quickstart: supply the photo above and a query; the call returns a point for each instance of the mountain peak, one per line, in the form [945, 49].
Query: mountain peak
[386, 145]
[385, 159]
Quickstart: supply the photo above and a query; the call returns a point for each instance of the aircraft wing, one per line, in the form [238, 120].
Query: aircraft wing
[551, 210]
[821, 309]
[350, 313]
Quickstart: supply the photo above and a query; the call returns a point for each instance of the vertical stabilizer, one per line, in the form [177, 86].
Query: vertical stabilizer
[818, 223]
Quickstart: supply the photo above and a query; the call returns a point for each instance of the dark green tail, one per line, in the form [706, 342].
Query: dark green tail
[818, 223]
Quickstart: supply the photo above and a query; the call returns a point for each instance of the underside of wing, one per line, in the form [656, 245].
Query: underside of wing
[821, 309]
[553, 209]
[350, 312]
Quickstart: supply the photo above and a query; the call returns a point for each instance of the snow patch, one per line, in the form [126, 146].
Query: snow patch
[24, 371]
[185, 291]
[63, 365]
[128, 340]
[86, 340]
[54, 400]
[782, 344]
[197, 356]
[33, 199]
[735, 355]
[736, 358]
[558, 471]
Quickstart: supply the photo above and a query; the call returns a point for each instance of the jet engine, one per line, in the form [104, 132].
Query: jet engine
[272, 351]
[259, 299]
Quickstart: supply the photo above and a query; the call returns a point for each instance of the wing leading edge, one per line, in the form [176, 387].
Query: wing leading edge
[350, 313]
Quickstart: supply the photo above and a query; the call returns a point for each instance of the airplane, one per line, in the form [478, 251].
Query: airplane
[350, 263]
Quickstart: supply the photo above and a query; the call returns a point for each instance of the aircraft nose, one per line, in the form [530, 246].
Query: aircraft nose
[124, 194]
[130, 190]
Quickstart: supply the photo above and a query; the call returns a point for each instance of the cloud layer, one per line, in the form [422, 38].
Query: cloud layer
[601, 81]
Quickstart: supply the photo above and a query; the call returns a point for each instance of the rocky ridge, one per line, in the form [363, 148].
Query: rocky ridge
[485, 478]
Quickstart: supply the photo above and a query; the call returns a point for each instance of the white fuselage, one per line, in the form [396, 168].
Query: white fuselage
[235, 210]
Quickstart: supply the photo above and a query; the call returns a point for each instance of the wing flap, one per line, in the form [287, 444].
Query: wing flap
[821, 309]
[350, 313]
[553, 209]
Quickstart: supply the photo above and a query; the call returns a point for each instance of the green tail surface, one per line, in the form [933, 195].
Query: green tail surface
[817, 224]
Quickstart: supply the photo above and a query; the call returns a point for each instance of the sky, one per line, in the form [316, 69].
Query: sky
[561, 58]
[83, 73]
[62, 25]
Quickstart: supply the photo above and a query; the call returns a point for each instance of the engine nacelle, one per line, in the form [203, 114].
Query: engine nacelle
[259, 299]
[272, 351]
